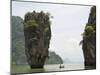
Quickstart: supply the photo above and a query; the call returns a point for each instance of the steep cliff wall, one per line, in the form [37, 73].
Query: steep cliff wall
[17, 46]
[37, 33]
[89, 40]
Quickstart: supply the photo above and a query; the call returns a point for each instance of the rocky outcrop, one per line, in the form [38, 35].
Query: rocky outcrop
[53, 58]
[89, 40]
[37, 33]
[17, 46]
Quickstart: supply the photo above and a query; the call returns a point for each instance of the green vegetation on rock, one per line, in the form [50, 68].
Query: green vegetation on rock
[37, 33]
[89, 40]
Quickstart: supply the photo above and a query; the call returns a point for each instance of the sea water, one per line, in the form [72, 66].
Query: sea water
[67, 67]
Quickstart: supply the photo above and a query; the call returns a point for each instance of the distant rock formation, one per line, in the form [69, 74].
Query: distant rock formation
[89, 40]
[18, 56]
[53, 58]
[37, 33]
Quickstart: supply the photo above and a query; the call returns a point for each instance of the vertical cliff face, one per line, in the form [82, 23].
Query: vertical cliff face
[37, 33]
[17, 45]
[89, 40]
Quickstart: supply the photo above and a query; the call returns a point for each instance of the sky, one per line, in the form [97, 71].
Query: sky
[67, 26]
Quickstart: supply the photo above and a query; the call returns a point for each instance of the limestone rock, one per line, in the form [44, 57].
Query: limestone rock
[37, 33]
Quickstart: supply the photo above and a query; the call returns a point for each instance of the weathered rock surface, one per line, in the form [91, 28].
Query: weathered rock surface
[37, 33]
[89, 40]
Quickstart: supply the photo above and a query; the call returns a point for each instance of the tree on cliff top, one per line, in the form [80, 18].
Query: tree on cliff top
[37, 33]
